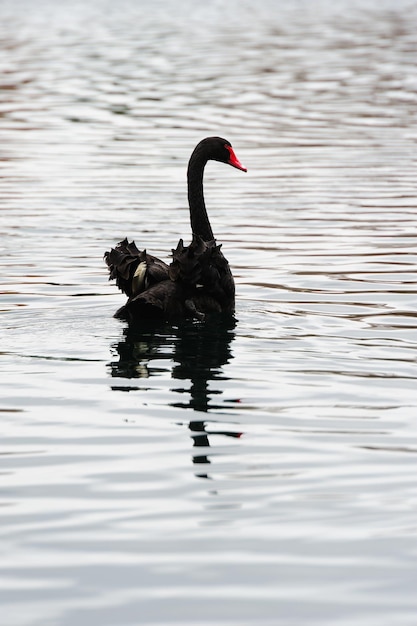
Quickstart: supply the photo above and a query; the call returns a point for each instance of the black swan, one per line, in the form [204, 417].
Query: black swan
[198, 280]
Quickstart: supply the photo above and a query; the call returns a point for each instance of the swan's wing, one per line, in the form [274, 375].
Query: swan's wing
[188, 261]
[204, 274]
[218, 280]
[132, 269]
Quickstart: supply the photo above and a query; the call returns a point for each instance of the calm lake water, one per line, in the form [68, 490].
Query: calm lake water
[261, 472]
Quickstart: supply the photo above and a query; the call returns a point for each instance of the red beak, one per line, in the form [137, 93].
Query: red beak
[234, 161]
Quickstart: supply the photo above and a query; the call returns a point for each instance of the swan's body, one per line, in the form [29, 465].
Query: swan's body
[199, 280]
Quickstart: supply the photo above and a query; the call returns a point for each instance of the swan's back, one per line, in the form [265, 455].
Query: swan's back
[198, 281]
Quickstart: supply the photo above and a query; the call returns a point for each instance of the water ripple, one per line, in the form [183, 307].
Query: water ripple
[258, 472]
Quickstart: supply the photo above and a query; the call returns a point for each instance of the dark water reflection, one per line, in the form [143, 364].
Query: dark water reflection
[193, 352]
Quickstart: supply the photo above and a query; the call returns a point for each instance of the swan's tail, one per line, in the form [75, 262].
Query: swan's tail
[134, 270]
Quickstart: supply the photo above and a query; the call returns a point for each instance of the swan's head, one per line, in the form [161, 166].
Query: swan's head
[219, 149]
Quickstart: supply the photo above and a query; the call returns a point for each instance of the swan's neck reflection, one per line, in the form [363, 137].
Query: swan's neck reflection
[199, 351]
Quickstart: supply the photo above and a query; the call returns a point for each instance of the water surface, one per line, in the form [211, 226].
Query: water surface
[256, 472]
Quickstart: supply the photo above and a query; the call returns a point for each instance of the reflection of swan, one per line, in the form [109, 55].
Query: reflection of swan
[198, 350]
[199, 280]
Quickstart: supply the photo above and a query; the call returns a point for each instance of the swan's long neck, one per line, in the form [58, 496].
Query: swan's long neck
[200, 224]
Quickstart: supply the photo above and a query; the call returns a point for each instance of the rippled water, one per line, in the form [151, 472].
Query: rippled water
[262, 472]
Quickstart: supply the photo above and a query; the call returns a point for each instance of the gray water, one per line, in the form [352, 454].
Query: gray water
[261, 472]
